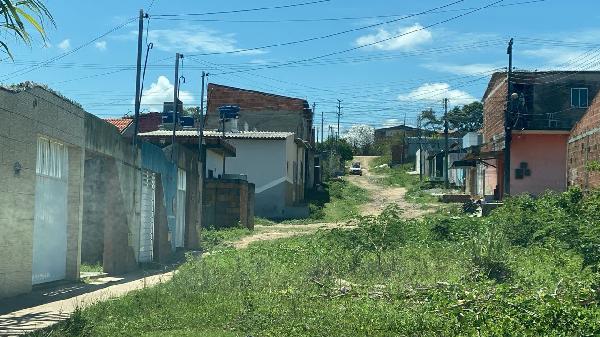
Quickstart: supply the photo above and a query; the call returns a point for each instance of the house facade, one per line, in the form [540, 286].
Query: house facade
[265, 112]
[41, 170]
[544, 108]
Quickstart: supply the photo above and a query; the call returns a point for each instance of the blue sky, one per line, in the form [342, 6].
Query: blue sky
[378, 84]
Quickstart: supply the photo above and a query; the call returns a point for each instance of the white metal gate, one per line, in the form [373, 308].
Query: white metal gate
[50, 222]
[180, 209]
[147, 217]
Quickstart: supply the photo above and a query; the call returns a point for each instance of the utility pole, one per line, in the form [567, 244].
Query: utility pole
[175, 103]
[201, 127]
[322, 119]
[339, 114]
[446, 149]
[508, 122]
[420, 149]
[138, 78]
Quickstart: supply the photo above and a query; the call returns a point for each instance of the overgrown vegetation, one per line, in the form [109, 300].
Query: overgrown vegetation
[528, 270]
[213, 239]
[91, 268]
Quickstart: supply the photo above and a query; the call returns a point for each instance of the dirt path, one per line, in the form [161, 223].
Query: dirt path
[383, 196]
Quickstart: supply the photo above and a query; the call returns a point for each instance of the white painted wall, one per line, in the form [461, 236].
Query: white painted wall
[263, 161]
[214, 162]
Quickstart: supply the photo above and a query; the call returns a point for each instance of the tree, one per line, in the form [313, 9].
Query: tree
[15, 14]
[360, 137]
[342, 147]
[468, 118]
[430, 120]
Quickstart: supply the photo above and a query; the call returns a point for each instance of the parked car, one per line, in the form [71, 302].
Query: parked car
[356, 169]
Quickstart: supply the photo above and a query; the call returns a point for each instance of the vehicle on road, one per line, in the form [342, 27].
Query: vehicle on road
[355, 169]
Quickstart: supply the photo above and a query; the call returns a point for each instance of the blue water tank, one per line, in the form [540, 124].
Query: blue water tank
[229, 112]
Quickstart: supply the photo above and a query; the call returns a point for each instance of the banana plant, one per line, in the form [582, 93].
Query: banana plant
[14, 15]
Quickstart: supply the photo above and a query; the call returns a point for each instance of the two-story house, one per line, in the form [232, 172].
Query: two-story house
[544, 107]
[266, 112]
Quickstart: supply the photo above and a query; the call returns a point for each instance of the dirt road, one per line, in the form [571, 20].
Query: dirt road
[383, 196]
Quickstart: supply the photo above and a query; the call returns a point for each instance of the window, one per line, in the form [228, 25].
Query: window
[579, 97]
[51, 159]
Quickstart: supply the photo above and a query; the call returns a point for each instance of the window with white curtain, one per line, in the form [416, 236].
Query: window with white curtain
[51, 158]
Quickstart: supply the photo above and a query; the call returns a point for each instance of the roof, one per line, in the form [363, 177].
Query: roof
[120, 123]
[231, 135]
[398, 127]
[24, 86]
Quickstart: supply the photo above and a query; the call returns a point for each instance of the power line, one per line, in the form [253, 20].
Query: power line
[328, 35]
[352, 18]
[244, 10]
[377, 42]
[24, 71]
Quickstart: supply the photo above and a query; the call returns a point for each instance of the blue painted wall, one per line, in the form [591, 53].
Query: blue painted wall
[154, 159]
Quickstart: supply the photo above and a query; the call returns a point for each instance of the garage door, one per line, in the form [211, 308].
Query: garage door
[180, 209]
[50, 222]
[147, 217]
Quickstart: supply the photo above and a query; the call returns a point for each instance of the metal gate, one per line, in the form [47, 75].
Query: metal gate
[180, 209]
[147, 217]
[50, 221]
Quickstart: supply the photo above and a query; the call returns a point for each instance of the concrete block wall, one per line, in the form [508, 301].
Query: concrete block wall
[584, 149]
[28, 111]
[228, 203]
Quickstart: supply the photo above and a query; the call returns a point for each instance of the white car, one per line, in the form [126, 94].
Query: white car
[355, 169]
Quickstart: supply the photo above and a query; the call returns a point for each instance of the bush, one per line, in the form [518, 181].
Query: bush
[489, 250]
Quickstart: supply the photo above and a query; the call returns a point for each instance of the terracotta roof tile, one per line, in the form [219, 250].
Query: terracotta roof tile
[120, 123]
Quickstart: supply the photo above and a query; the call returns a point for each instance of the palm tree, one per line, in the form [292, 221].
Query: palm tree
[15, 13]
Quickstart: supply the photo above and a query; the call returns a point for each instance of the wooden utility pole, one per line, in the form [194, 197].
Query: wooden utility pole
[446, 147]
[508, 122]
[138, 78]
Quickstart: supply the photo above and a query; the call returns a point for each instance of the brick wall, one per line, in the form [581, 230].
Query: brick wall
[494, 105]
[584, 147]
[260, 111]
[26, 112]
[228, 203]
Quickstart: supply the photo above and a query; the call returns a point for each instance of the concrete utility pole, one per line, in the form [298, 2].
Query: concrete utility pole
[420, 149]
[322, 120]
[508, 122]
[175, 103]
[138, 78]
[446, 148]
[339, 114]
[201, 128]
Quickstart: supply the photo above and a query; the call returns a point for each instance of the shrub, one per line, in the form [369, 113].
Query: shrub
[489, 250]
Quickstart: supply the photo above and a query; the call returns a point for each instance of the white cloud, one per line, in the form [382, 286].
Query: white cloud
[559, 57]
[464, 69]
[100, 45]
[65, 45]
[432, 92]
[162, 91]
[196, 40]
[411, 37]
[391, 122]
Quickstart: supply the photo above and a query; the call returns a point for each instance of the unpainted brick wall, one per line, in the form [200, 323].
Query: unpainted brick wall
[584, 148]
[493, 113]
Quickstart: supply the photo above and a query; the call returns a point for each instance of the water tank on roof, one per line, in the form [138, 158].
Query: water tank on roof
[229, 112]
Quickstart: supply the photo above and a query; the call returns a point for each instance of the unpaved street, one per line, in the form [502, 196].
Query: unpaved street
[383, 196]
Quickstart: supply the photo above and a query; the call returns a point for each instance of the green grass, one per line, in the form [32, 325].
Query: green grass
[446, 275]
[215, 239]
[399, 177]
[91, 268]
